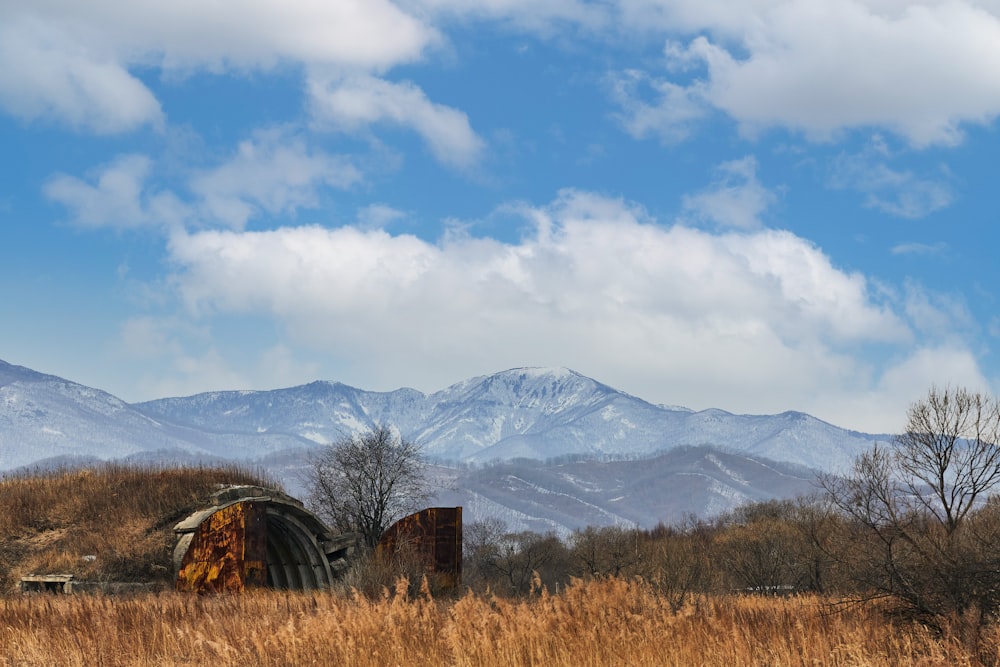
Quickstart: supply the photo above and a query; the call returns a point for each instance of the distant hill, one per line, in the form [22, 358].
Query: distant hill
[668, 488]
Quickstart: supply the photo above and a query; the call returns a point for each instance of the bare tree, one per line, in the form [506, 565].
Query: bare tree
[481, 540]
[923, 534]
[949, 457]
[364, 483]
[608, 551]
[680, 560]
[514, 562]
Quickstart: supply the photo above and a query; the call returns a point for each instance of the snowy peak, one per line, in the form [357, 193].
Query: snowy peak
[521, 412]
[541, 390]
[547, 390]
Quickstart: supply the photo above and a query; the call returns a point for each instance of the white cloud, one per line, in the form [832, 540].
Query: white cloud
[117, 197]
[355, 102]
[186, 34]
[728, 19]
[752, 321]
[914, 248]
[672, 115]
[543, 16]
[46, 73]
[378, 216]
[735, 199]
[275, 172]
[900, 193]
[943, 316]
[179, 359]
[921, 70]
[72, 60]
[880, 406]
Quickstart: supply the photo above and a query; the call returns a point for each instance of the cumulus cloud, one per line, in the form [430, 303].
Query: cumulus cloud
[73, 61]
[274, 172]
[45, 72]
[753, 320]
[921, 70]
[116, 195]
[358, 101]
[735, 199]
[184, 34]
[660, 108]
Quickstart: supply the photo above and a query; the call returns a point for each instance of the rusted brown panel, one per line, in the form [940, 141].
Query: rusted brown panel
[255, 546]
[436, 535]
[448, 543]
[228, 551]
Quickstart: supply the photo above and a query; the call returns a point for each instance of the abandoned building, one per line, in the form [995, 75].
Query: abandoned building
[252, 537]
[257, 537]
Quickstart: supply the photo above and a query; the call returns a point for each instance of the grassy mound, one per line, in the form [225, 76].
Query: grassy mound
[109, 523]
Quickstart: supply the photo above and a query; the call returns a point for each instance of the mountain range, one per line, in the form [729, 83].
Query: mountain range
[542, 448]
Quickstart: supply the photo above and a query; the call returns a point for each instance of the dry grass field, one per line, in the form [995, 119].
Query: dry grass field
[115, 523]
[598, 622]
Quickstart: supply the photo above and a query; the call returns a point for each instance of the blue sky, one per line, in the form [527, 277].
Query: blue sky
[759, 206]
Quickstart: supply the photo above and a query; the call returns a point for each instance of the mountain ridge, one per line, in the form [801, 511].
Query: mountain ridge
[539, 413]
[539, 447]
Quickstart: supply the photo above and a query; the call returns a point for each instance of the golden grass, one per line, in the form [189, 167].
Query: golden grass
[607, 622]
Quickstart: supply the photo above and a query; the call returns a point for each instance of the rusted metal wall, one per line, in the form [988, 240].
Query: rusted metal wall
[435, 535]
[228, 551]
[270, 539]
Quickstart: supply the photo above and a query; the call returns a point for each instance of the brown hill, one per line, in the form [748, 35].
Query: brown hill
[109, 523]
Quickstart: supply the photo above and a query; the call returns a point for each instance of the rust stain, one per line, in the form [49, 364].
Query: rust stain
[228, 551]
[435, 534]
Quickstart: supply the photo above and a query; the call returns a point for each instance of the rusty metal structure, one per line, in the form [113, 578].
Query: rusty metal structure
[255, 537]
[433, 535]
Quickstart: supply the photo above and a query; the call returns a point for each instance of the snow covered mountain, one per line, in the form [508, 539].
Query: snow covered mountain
[548, 447]
[537, 413]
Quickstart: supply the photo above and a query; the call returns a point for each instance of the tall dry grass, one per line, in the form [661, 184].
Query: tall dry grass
[606, 622]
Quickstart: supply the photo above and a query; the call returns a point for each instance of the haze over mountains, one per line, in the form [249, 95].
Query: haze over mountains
[611, 457]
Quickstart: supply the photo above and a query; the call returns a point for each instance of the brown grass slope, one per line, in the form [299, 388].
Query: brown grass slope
[109, 523]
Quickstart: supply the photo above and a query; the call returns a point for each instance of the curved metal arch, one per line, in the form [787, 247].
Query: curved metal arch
[295, 557]
[253, 536]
